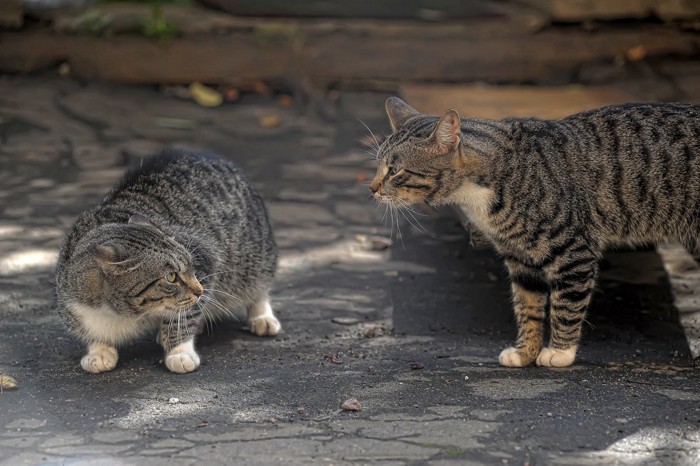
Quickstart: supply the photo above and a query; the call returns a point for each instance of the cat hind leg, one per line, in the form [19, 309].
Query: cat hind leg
[261, 320]
[553, 357]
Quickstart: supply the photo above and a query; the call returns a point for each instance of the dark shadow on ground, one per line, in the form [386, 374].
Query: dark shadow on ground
[469, 294]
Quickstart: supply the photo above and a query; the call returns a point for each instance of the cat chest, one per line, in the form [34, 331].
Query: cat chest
[475, 202]
[101, 323]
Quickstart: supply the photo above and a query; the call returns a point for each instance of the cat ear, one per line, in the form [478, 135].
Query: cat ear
[448, 132]
[138, 219]
[110, 258]
[105, 253]
[399, 112]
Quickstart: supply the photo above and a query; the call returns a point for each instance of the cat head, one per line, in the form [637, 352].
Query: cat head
[422, 160]
[143, 270]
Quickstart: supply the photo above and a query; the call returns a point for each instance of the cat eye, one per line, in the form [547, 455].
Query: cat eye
[171, 277]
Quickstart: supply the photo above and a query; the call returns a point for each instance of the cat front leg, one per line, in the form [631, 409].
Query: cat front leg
[101, 357]
[572, 279]
[177, 338]
[261, 320]
[530, 292]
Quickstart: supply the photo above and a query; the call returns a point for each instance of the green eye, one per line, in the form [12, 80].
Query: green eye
[171, 277]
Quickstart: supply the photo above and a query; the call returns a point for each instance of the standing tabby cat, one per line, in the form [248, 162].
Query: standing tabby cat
[551, 196]
[182, 239]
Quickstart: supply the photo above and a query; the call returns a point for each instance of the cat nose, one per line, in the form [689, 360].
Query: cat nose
[197, 290]
[374, 187]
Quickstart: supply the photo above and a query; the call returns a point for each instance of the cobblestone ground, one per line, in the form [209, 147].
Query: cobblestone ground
[412, 331]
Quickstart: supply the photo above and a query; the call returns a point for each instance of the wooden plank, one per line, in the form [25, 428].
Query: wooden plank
[344, 52]
[498, 102]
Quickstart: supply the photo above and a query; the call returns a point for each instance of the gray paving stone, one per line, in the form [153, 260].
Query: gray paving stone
[427, 298]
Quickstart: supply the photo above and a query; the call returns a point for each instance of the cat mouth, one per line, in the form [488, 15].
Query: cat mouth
[185, 304]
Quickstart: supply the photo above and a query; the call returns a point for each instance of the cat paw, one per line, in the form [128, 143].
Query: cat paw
[267, 325]
[182, 359]
[552, 357]
[513, 357]
[100, 358]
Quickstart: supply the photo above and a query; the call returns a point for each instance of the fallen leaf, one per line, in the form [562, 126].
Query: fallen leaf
[346, 320]
[351, 405]
[375, 243]
[205, 96]
[270, 121]
[361, 177]
[7, 382]
[636, 53]
[336, 359]
[415, 366]
[231, 94]
[285, 100]
[380, 243]
[203, 424]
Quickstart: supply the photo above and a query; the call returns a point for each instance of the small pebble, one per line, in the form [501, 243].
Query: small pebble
[174, 401]
[351, 405]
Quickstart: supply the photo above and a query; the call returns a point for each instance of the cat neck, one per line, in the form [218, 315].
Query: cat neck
[486, 138]
[484, 143]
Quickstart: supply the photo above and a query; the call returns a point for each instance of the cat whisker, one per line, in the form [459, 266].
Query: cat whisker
[406, 209]
[212, 290]
[223, 309]
[215, 273]
[395, 218]
[376, 141]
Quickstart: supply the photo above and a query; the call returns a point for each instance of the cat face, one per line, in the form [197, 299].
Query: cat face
[420, 161]
[147, 272]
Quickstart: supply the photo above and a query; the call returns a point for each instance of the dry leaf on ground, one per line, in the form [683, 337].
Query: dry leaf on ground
[205, 96]
[7, 382]
[270, 121]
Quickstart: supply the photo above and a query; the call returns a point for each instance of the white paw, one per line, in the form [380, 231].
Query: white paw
[265, 325]
[510, 357]
[182, 359]
[551, 357]
[100, 358]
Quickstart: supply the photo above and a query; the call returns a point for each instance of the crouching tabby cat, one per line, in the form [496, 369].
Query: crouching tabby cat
[551, 196]
[177, 242]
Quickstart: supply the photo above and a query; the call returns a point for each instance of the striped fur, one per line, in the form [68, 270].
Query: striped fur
[552, 196]
[181, 240]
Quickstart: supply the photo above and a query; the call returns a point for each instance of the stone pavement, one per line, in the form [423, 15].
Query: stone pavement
[412, 331]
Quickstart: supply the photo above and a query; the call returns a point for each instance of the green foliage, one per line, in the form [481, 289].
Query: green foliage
[157, 2]
[158, 26]
[93, 21]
